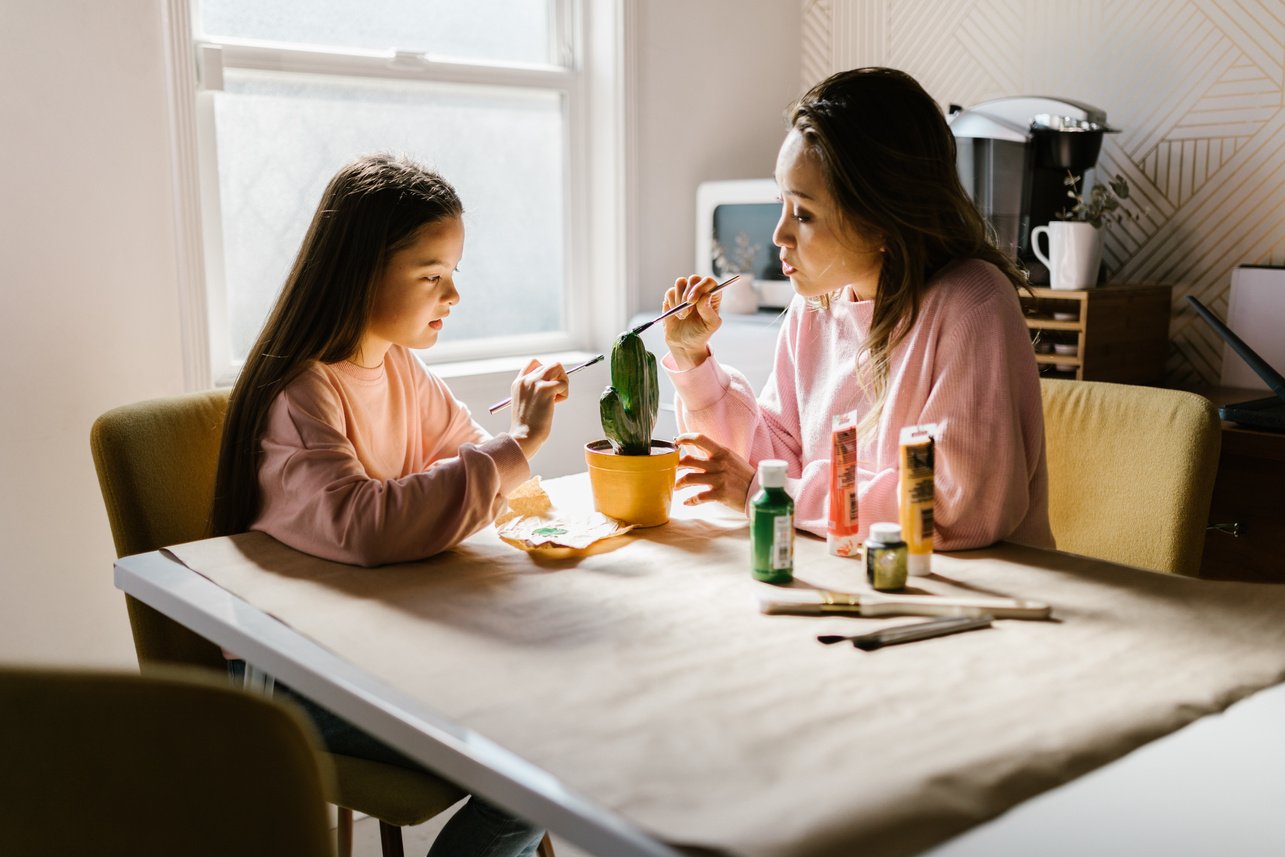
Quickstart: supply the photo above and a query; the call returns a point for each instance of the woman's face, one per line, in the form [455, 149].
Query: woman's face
[416, 292]
[819, 252]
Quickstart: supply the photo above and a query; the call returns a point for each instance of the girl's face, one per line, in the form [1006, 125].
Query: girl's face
[819, 252]
[416, 291]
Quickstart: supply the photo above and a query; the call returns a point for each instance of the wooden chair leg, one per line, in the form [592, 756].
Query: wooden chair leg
[546, 847]
[343, 832]
[390, 840]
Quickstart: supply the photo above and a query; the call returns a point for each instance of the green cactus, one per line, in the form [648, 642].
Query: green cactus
[628, 407]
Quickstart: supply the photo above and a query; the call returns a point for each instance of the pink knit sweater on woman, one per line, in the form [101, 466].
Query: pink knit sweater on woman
[966, 365]
[371, 466]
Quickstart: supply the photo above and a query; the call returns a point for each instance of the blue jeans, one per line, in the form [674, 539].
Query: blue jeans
[477, 829]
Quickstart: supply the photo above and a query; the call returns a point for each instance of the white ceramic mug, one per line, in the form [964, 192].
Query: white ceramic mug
[1075, 253]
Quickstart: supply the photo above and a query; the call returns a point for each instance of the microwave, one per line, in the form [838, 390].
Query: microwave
[739, 218]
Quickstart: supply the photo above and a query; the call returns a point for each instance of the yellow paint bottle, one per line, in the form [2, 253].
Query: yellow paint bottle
[915, 490]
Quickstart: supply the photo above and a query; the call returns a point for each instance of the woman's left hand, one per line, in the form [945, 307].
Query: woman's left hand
[725, 475]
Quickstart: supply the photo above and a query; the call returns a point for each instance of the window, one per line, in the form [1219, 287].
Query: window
[496, 95]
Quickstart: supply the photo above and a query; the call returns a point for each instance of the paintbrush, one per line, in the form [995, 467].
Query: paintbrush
[685, 304]
[639, 329]
[822, 602]
[909, 633]
[506, 402]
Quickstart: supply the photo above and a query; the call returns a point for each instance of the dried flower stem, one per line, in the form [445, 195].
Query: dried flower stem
[1104, 205]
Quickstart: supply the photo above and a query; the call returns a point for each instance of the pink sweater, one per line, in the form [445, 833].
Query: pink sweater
[967, 365]
[371, 466]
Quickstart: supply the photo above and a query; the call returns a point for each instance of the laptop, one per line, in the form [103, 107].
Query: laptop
[1266, 413]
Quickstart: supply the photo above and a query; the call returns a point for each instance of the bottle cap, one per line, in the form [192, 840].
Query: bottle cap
[885, 532]
[772, 473]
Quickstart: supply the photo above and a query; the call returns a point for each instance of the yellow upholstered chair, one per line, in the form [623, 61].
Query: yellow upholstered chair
[1131, 472]
[156, 463]
[116, 764]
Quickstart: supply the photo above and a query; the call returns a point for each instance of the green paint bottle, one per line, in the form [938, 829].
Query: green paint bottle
[772, 525]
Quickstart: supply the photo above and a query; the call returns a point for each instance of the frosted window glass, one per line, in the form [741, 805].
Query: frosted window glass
[477, 30]
[282, 137]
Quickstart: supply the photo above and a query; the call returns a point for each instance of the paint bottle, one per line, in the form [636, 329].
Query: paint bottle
[886, 557]
[916, 493]
[841, 536]
[772, 525]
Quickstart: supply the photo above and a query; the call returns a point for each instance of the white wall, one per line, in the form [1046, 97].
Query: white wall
[713, 80]
[90, 317]
[88, 260]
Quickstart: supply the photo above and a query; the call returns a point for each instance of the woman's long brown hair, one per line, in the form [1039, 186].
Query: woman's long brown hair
[372, 208]
[888, 157]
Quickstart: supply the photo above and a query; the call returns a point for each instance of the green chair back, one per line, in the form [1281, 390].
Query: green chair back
[156, 463]
[111, 764]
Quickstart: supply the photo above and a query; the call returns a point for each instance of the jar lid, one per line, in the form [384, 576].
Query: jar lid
[885, 532]
[772, 473]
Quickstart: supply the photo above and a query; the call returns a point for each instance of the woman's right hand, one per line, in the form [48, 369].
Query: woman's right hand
[535, 391]
[687, 332]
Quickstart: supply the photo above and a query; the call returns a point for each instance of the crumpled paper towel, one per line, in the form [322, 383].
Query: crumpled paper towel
[532, 524]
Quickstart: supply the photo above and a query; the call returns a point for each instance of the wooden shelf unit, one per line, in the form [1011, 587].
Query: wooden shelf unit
[1120, 331]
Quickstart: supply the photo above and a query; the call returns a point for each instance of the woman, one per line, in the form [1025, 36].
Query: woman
[906, 314]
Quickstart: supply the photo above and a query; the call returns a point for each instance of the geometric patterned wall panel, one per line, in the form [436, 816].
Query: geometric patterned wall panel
[1197, 88]
[818, 49]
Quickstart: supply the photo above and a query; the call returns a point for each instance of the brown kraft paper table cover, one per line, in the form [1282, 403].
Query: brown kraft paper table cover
[645, 678]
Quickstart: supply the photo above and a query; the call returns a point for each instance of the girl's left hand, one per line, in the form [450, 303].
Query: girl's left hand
[725, 474]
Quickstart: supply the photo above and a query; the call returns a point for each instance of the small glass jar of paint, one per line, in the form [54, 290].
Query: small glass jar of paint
[886, 557]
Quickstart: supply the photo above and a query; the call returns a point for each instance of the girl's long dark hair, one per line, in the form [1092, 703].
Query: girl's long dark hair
[888, 157]
[372, 208]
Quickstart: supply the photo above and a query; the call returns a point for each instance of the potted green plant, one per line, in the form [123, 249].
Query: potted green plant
[631, 473]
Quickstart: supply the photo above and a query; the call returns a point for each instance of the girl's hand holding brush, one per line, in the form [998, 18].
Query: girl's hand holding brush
[535, 391]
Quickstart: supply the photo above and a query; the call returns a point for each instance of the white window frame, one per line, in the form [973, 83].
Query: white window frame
[590, 46]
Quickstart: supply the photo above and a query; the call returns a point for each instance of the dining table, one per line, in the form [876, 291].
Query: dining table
[639, 698]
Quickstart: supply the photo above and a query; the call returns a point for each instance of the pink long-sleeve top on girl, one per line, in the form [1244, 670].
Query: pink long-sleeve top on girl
[966, 365]
[372, 466]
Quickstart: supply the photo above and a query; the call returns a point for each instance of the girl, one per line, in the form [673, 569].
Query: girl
[906, 314]
[339, 443]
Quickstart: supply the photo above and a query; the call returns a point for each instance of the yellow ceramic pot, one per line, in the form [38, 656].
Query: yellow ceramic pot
[636, 489]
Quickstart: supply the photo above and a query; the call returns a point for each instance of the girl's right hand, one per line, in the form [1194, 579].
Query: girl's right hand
[687, 332]
[535, 391]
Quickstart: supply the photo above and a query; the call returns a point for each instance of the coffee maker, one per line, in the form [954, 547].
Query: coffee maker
[1014, 155]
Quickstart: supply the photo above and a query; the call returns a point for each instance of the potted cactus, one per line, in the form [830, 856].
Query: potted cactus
[631, 473]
